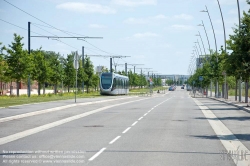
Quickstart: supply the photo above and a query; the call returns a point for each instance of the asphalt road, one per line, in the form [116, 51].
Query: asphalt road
[165, 129]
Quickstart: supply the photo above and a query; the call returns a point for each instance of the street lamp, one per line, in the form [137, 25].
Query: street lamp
[217, 85]
[209, 52]
[240, 78]
[201, 42]
[206, 35]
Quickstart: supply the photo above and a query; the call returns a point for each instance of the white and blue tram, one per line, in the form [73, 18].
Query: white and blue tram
[113, 84]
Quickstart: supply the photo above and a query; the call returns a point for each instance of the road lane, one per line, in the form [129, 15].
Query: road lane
[160, 130]
[166, 136]
[61, 137]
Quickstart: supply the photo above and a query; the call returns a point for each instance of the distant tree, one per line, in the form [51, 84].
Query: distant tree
[95, 81]
[40, 71]
[56, 71]
[81, 75]
[89, 70]
[69, 71]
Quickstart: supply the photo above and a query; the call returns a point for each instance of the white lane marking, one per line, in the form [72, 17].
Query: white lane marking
[97, 154]
[26, 133]
[127, 129]
[232, 143]
[134, 123]
[116, 138]
[53, 109]
[140, 118]
[145, 114]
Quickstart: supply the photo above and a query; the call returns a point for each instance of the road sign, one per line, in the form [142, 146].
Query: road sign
[76, 61]
[200, 78]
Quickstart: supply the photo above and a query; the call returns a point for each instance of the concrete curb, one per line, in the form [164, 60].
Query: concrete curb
[229, 103]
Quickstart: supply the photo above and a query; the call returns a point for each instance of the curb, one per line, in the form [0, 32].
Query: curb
[229, 103]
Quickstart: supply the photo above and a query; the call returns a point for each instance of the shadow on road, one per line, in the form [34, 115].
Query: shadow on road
[242, 118]
[242, 137]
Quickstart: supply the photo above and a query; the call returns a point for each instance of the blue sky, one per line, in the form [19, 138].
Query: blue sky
[157, 33]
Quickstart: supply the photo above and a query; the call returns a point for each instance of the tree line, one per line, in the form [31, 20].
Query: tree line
[50, 68]
[234, 66]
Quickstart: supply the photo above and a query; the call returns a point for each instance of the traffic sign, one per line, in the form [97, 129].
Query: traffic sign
[200, 78]
[76, 61]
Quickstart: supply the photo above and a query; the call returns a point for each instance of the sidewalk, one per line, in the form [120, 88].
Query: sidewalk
[231, 100]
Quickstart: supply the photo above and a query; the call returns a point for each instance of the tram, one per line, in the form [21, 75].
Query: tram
[114, 84]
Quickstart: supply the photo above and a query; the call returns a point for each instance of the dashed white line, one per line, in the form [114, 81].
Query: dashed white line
[140, 118]
[24, 115]
[97, 154]
[145, 114]
[134, 123]
[126, 130]
[35, 130]
[116, 138]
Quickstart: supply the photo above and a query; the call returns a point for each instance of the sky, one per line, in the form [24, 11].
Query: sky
[159, 34]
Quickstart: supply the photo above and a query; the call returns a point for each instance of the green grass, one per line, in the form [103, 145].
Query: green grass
[6, 101]
[231, 92]
[145, 90]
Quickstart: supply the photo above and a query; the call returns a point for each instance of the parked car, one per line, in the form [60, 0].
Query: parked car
[182, 87]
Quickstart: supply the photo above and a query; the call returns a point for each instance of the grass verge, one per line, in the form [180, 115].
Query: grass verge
[6, 101]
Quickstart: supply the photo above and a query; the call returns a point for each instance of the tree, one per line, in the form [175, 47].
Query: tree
[18, 61]
[95, 81]
[56, 70]
[69, 71]
[239, 43]
[81, 75]
[89, 70]
[40, 71]
[3, 67]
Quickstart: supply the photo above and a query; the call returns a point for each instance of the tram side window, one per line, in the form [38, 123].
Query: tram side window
[114, 83]
[119, 83]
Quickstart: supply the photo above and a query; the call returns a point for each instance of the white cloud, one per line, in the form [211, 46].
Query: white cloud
[97, 26]
[147, 20]
[86, 8]
[157, 18]
[134, 3]
[142, 36]
[183, 17]
[182, 27]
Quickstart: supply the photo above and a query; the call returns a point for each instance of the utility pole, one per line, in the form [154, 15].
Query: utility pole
[131, 65]
[83, 67]
[29, 54]
[55, 38]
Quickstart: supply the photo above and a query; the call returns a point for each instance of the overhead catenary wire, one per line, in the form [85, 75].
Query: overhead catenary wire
[53, 26]
[18, 26]
[31, 15]
[57, 29]
[34, 32]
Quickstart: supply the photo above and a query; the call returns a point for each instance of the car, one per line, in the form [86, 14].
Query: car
[182, 87]
[171, 88]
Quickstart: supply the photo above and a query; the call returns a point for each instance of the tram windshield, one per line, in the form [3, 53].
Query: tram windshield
[106, 80]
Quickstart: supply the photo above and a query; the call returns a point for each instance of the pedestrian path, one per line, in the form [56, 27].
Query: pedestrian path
[231, 100]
